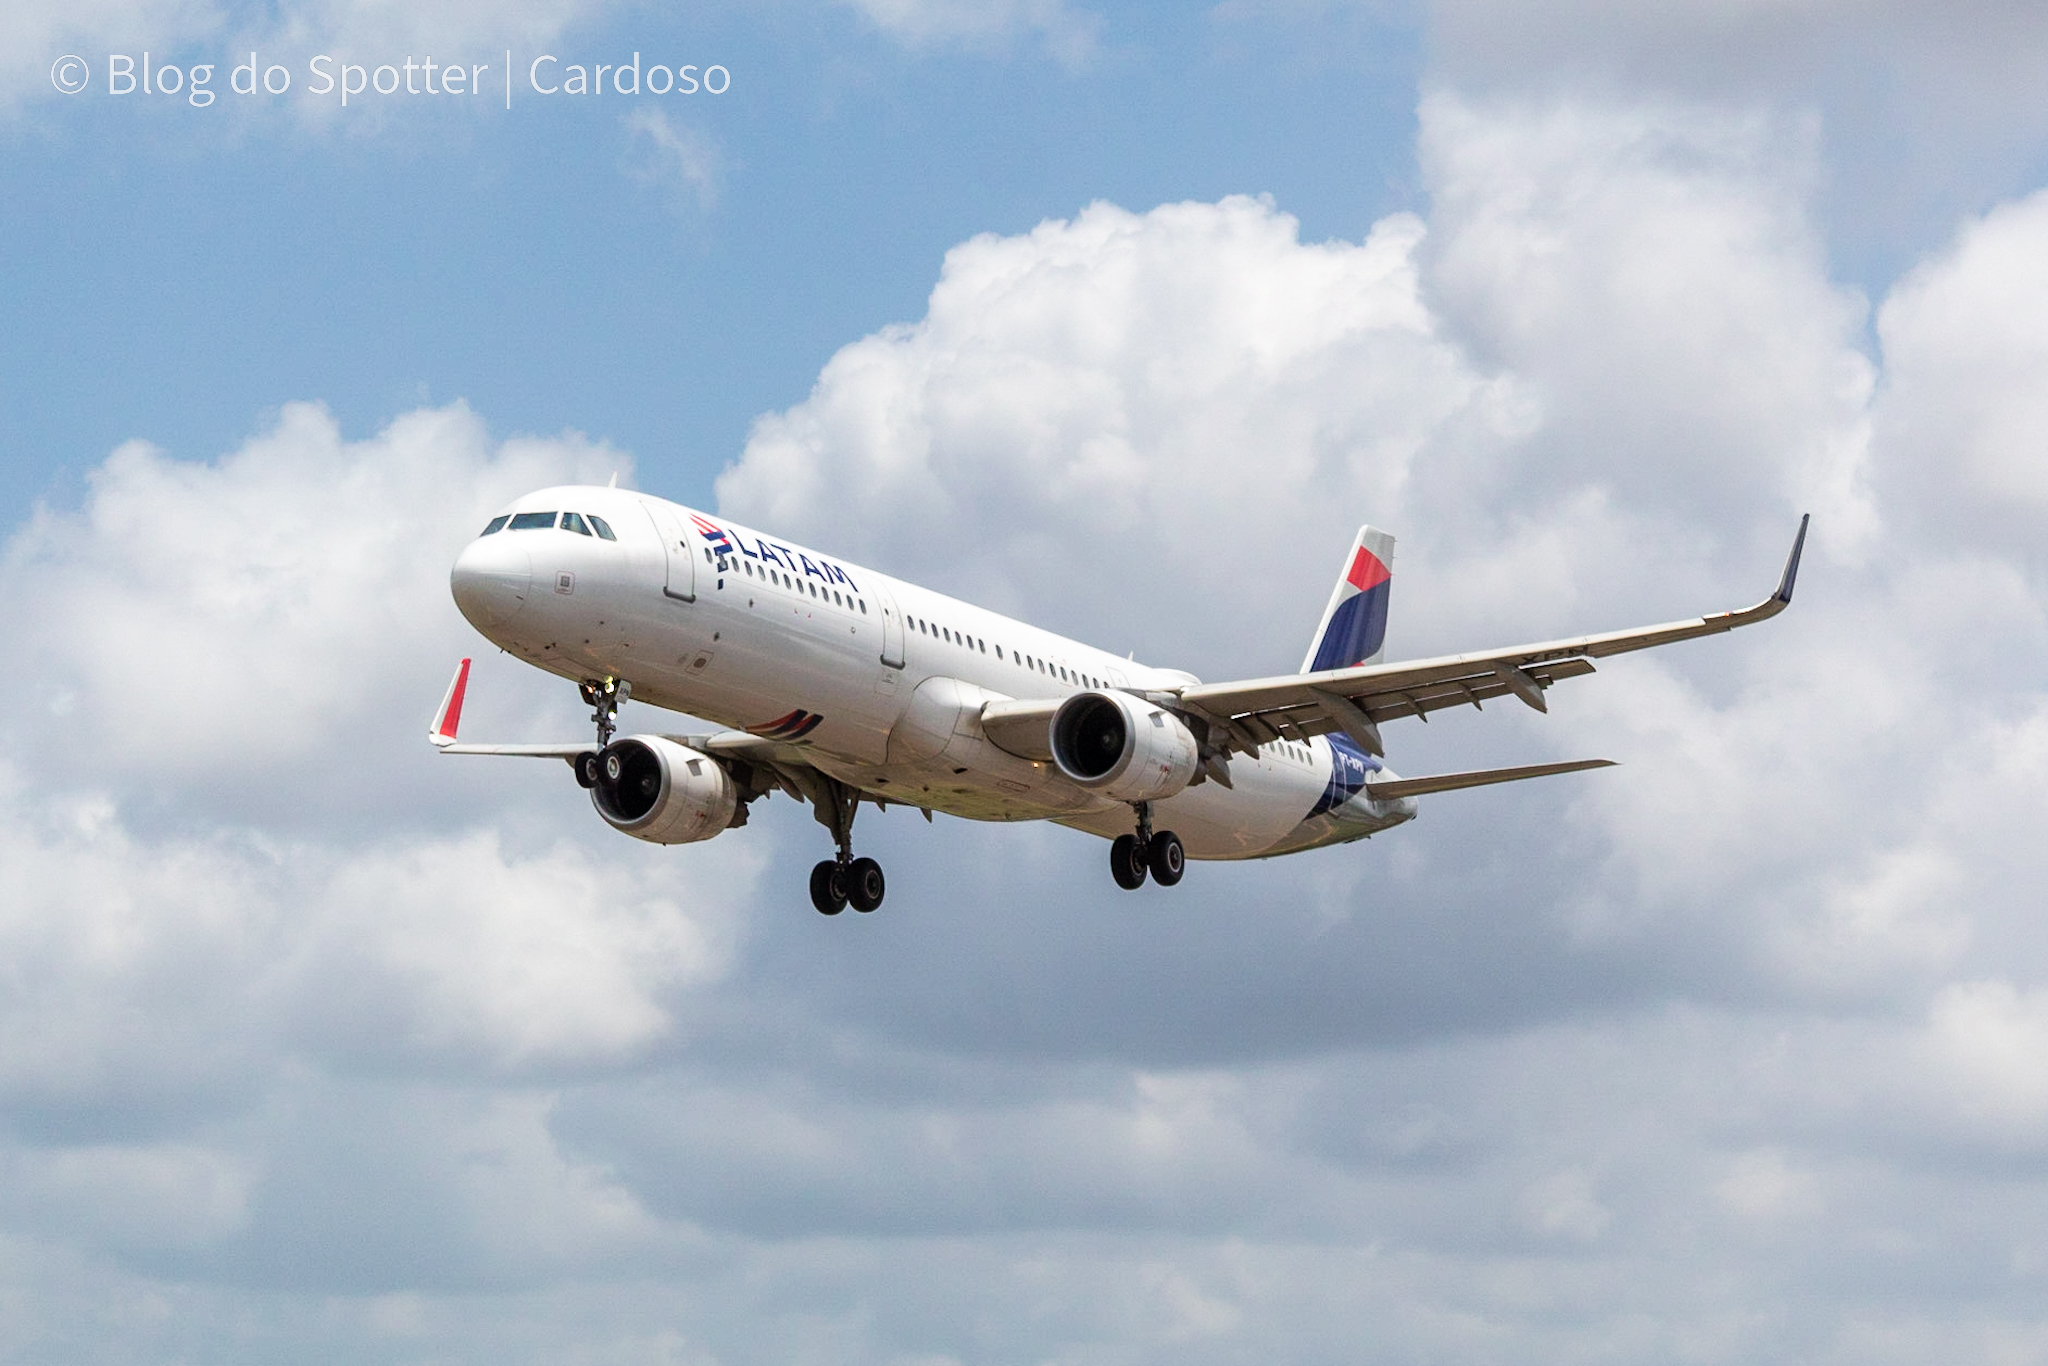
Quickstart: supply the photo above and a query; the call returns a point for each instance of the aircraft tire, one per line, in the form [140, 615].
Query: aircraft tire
[1166, 858]
[1127, 862]
[828, 888]
[586, 769]
[865, 884]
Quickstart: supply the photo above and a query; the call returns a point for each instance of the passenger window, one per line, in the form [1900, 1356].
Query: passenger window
[531, 521]
[863, 606]
[597, 524]
[572, 522]
[497, 524]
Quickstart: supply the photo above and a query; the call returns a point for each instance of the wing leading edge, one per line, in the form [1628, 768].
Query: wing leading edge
[1356, 700]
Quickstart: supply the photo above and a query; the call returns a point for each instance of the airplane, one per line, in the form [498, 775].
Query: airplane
[840, 686]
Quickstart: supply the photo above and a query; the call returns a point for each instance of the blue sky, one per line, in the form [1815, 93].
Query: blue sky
[314, 1045]
[195, 267]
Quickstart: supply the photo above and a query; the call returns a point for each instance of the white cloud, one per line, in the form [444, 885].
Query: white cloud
[319, 1040]
[680, 158]
[1990, 1038]
[1178, 390]
[1595, 387]
[1966, 362]
[206, 630]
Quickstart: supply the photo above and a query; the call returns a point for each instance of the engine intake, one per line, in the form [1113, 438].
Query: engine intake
[659, 791]
[1122, 746]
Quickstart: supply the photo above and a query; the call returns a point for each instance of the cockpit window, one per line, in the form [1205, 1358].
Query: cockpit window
[597, 524]
[532, 521]
[497, 524]
[573, 522]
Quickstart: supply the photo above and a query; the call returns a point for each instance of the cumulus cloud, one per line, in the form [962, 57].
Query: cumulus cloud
[1097, 393]
[1593, 387]
[1704, 1057]
[1966, 355]
[202, 631]
[215, 890]
[1922, 107]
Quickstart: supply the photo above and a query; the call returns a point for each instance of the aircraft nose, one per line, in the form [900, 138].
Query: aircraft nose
[491, 579]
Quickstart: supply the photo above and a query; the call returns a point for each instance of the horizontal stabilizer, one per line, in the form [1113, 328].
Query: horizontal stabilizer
[1449, 782]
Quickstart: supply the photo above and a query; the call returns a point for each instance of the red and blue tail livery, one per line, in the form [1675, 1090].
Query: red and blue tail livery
[1354, 625]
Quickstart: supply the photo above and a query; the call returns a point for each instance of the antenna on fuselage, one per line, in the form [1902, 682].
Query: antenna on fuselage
[615, 480]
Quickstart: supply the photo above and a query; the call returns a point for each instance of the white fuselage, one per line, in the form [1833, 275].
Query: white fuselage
[880, 682]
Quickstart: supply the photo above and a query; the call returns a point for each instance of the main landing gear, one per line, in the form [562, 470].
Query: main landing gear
[1131, 857]
[836, 882]
[843, 879]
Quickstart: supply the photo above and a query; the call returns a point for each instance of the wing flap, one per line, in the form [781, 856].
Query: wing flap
[1484, 777]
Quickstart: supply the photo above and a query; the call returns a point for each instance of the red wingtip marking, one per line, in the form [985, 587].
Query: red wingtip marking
[451, 706]
[1366, 571]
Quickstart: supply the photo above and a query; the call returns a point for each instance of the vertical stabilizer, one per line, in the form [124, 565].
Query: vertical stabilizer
[1354, 625]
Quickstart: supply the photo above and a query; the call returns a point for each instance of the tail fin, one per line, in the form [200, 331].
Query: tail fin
[1354, 626]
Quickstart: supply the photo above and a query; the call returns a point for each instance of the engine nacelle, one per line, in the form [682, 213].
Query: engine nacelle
[1122, 746]
[659, 791]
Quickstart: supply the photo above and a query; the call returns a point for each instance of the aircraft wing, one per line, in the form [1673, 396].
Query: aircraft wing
[1356, 700]
[785, 763]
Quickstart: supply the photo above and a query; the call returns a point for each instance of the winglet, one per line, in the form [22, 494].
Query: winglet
[1784, 593]
[449, 717]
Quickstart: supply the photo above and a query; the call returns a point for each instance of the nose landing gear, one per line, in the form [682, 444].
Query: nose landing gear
[1131, 857]
[605, 697]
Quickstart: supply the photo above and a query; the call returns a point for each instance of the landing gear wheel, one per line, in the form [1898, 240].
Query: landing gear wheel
[586, 769]
[828, 888]
[1127, 862]
[1166, 858]
[864, 884]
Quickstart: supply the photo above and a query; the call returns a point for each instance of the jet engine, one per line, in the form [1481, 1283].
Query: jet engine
[659, 791]
[1122, 746]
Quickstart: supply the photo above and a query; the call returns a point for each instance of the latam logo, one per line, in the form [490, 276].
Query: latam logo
[714, 536]
[731, 545]
[795, 726]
